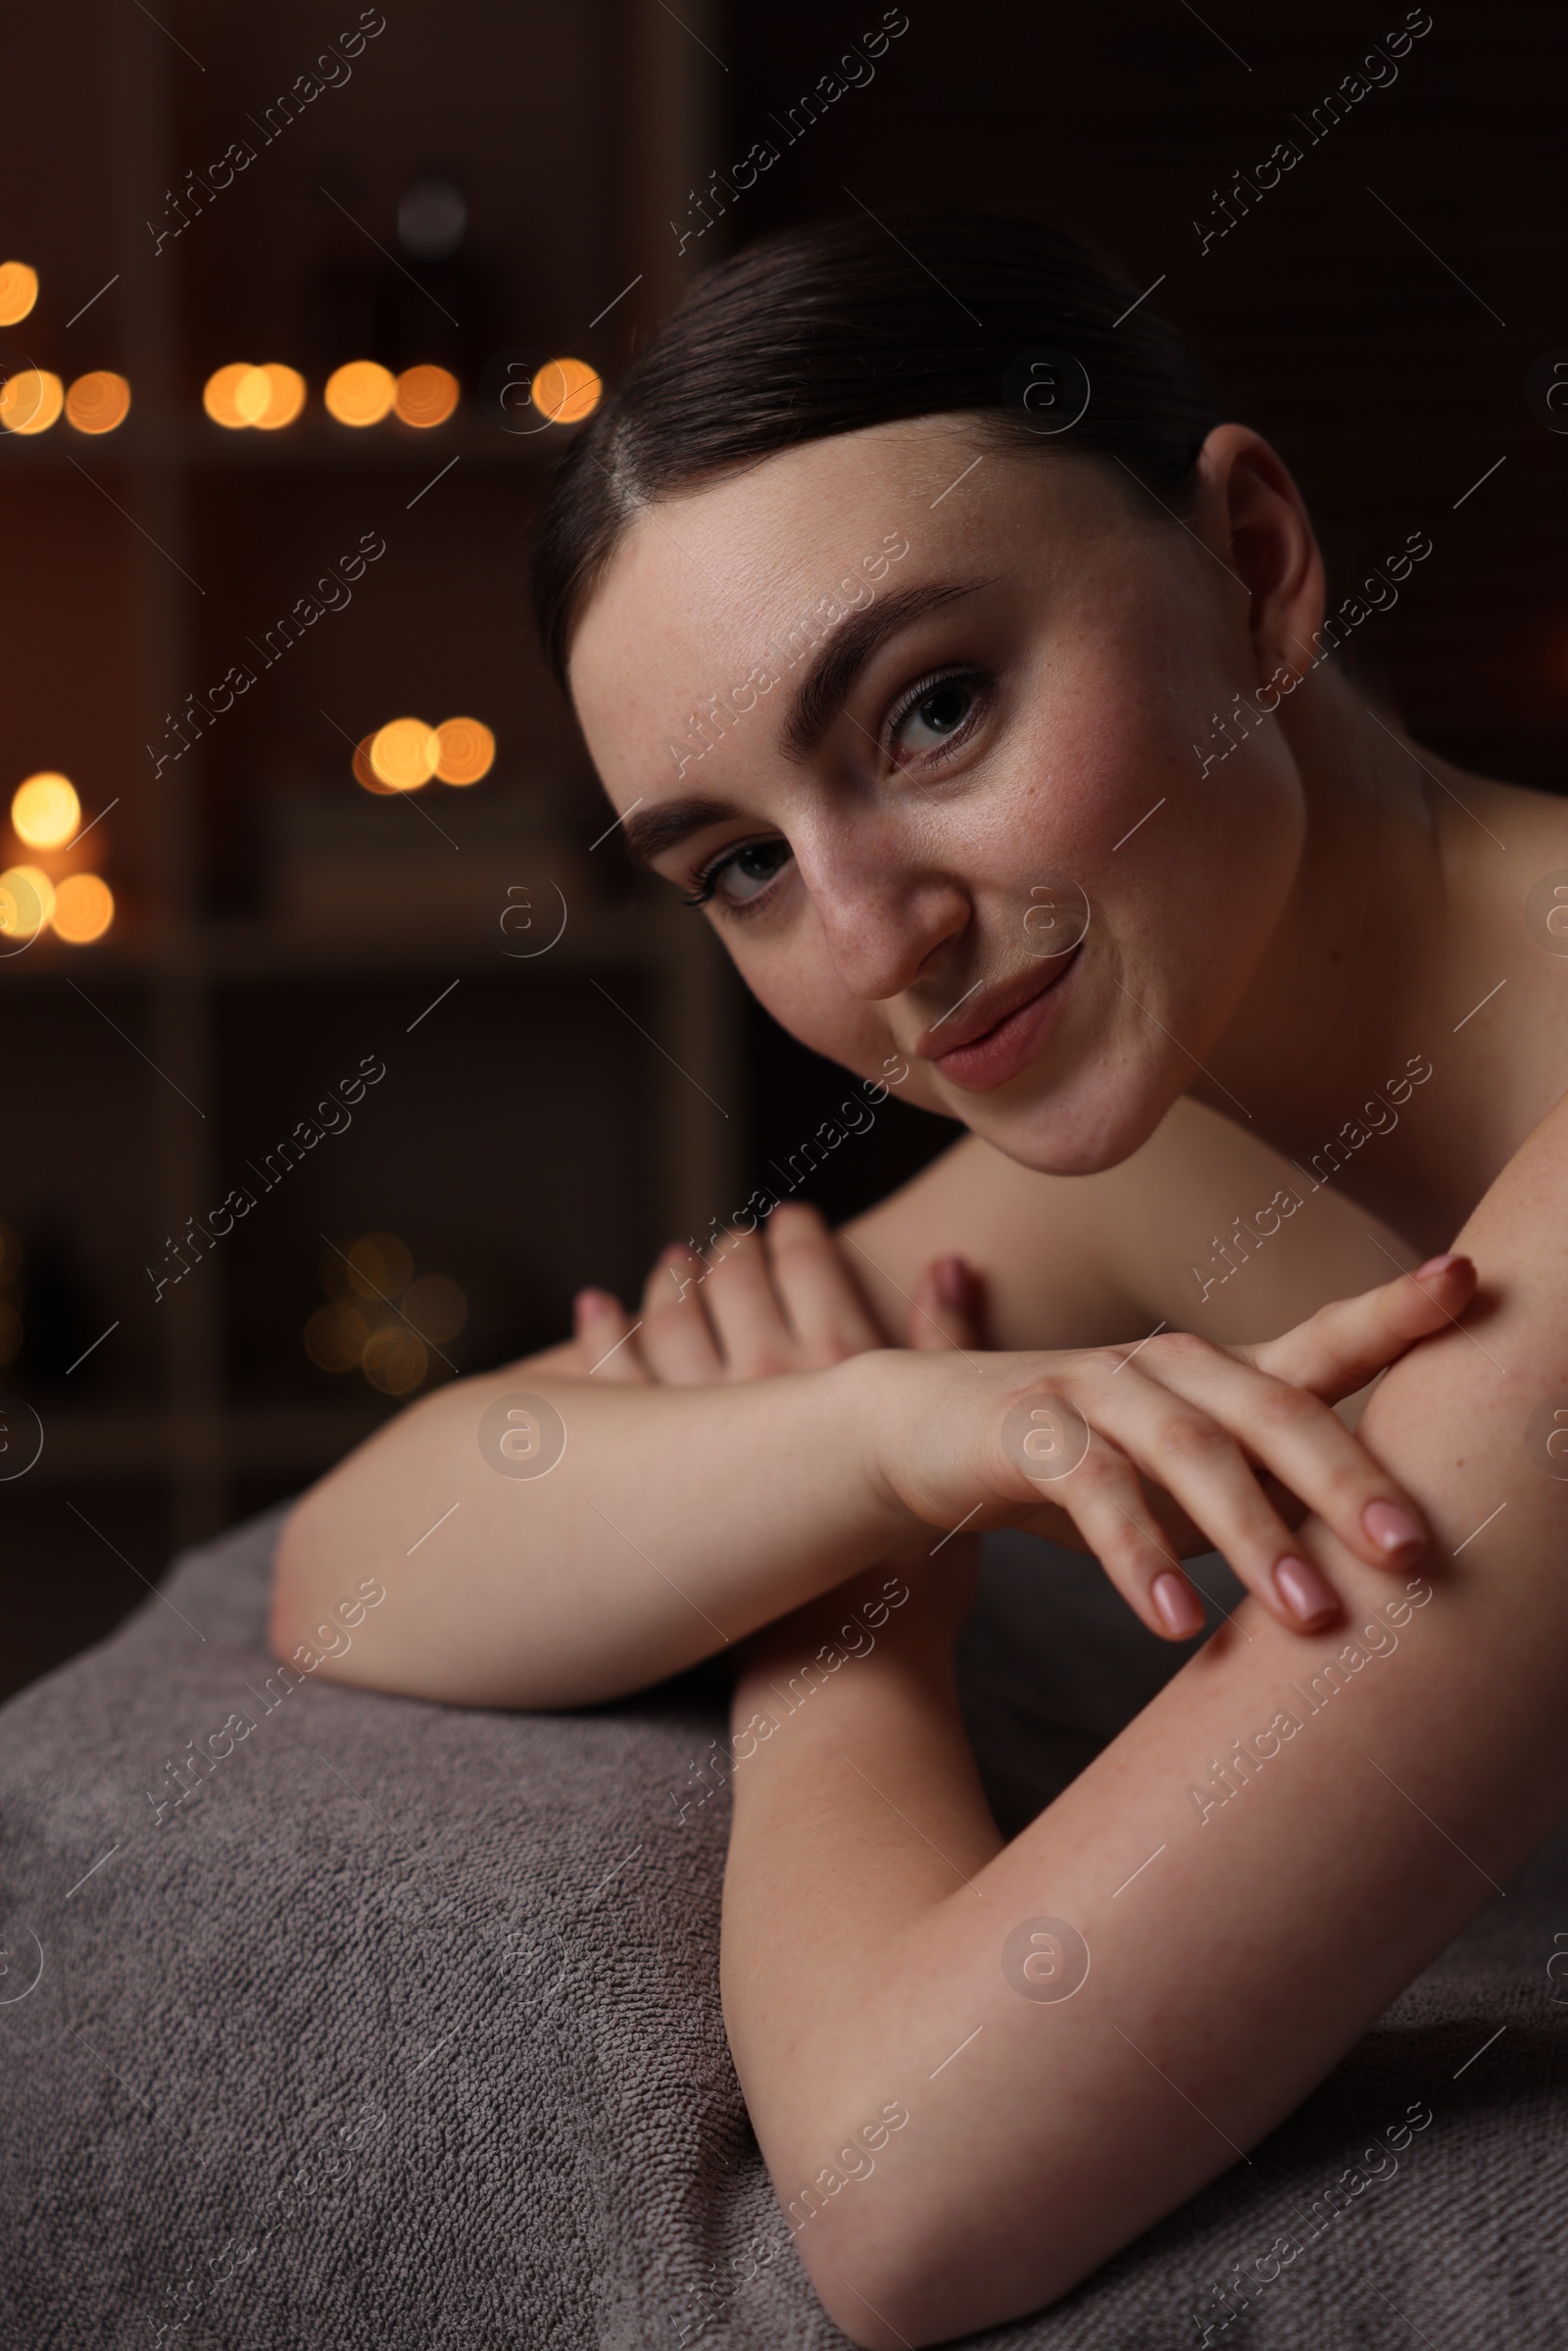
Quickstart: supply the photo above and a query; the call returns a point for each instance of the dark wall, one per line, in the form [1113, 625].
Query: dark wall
[1375, 315]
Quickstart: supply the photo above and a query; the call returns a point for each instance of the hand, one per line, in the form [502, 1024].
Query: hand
[781, 1298]
[1234, 1443]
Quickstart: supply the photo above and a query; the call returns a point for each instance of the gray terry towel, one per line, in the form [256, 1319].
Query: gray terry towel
[403, 2031]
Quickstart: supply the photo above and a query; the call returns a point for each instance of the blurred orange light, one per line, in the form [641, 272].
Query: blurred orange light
[364, 773]
[335, 1337]
[18, 291]
[426, 396]
[271, 397]
[30, 400]
[466, 751]
[394, 1359]
[359, 393]
[98, 402]
[45, 810]
[380, 1266]
[436, 1307]
[404, 754]
[27, 902]
[219, 394]
[84, 910]
[566, 391]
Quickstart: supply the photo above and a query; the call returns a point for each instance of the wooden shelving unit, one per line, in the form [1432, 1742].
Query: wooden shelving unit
[177, 957]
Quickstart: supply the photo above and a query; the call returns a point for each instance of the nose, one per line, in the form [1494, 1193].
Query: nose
[883, 922]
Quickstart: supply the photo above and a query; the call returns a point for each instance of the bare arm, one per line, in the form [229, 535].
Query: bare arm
[1281, 1840]
[560, 1544]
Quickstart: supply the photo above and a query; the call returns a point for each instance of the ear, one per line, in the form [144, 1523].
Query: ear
[1258, 522]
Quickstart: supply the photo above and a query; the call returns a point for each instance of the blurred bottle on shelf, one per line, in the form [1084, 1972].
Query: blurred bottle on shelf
[425, 298]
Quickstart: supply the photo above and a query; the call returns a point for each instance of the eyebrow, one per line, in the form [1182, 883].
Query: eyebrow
[822, 694]
[828, 683]
[646, 838]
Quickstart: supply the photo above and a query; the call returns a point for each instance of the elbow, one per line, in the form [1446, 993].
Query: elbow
[293, 1623]
[906, 2270]
[290, 1569]
[884, 2289]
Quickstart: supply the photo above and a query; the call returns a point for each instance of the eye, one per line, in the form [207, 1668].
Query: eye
[933, 716]
[739, 878]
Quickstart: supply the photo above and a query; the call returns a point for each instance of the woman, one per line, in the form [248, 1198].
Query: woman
[932, 628]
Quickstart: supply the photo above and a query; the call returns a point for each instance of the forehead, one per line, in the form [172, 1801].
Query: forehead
[707, 577]
[701, 581]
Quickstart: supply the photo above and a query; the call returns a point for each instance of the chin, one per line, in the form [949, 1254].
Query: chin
[1076, 1124]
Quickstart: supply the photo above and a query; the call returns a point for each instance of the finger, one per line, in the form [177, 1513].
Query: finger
[746, 1314]
[818, 1293]
[1344, 1346]
[1196, 1459]
[1106, 1501]
[675, 1336]
[1304, 1443]
[605, 1338]
[945, 1312]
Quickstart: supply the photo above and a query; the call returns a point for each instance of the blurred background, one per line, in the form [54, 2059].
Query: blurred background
[340, 1045]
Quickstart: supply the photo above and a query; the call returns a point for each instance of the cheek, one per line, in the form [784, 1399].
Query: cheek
[794, 978]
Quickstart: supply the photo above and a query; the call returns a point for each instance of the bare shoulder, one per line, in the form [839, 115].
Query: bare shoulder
[1203, 1228]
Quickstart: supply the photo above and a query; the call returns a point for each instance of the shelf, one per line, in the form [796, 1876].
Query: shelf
[636, 936]
[179, 444]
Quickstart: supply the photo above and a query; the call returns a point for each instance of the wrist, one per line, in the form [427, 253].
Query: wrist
[872, 1396]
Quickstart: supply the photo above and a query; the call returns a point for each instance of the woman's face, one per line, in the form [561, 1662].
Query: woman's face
[897, 706]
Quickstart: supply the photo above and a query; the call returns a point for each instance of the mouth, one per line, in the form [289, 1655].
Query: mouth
[1000, 1032]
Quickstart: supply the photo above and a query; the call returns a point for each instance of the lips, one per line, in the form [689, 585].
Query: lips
[1000, 1032]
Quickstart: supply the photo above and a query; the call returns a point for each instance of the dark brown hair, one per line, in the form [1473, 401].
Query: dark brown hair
[836, 325]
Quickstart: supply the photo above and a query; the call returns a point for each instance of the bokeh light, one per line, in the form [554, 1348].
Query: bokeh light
[404, 754]
[364, 1328]
[379, 1266]
[466, 751]
[27, 902]
[219, 394]
[269, 396]
[83, 909]
[240, 394]
[30, 400]
[359, 393]
[566, 391]
[335, 1337]
[18, 291]
[364, 773]
[98, 402]
[426, 396]
[45, 810]
[436, 1307]
[394, 1359]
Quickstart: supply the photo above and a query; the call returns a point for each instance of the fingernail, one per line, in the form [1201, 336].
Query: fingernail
[592, 1301]
[952, 1282]
[1390, 1527]
[1177, 1606]
[1304, 1591]
[1436, 1265]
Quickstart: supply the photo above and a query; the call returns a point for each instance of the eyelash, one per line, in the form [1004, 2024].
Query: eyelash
[704, 883]
[956, 673]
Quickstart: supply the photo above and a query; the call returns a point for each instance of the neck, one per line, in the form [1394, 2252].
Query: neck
[1403, 912]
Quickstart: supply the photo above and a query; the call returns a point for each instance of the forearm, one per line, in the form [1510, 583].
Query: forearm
[1247, 1875]
[674, 1521]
